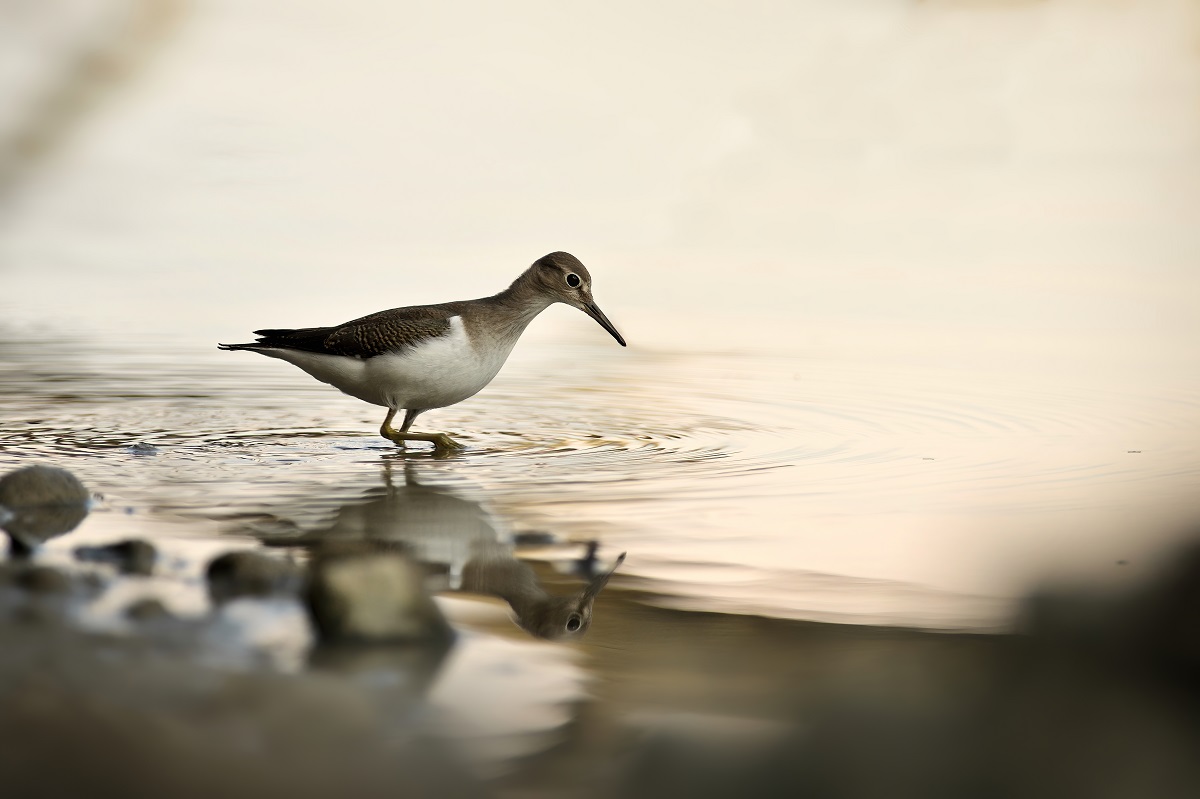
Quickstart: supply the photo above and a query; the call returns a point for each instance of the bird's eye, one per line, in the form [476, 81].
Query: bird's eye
[574, 621]
[573, 280]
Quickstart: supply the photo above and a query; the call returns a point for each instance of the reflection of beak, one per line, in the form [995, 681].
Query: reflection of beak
[597, 584]
[593, 311]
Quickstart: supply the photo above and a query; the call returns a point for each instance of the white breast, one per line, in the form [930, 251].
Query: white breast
[438, 372]
[435, 373]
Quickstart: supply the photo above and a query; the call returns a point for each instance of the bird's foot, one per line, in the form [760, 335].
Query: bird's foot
[443, 444]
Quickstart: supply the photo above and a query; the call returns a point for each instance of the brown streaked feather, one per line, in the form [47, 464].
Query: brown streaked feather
[388, 331]
[366, 337]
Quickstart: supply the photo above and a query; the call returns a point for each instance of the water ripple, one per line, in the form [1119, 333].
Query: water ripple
[724, 455]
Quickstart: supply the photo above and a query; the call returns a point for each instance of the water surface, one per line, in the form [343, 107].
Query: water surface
[787, 485]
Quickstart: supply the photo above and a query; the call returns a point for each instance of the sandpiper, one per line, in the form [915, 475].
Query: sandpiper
[431, 356]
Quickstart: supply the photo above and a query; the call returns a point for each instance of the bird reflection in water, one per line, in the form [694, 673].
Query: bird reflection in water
[496, 572]
[454, 535]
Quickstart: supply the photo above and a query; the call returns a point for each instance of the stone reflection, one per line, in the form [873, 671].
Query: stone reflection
[463, 548]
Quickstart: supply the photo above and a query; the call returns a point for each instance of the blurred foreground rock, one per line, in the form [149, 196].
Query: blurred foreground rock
[248, 573]
[149, 609]
[36, 593]
[1096, 695]
[38, 503]
[101, 717]
[133, 557]
[358, 594]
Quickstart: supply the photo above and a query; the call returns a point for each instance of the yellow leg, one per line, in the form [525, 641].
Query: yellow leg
[442, 443]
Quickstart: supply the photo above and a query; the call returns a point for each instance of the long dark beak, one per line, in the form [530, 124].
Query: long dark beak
[593, 311]
[597, 584]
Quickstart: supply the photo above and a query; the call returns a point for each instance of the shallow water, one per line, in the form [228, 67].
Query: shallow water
[873, 377]
[787, 486]
[790, 486]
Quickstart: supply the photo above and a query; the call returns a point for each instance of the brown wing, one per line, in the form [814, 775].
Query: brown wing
[385, 331]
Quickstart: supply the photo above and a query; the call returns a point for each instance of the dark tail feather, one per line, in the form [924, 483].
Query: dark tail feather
[308, 339]
[266, 338]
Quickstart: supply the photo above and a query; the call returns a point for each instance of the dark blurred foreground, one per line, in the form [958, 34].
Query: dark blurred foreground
[1098, 696]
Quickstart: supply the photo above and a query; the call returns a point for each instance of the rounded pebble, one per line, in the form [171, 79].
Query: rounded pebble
[373, 598]
[248, 573]
[40, 502]
[134, 556]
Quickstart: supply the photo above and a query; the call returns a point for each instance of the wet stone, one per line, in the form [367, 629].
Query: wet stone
[21, 578]
[39, 503]
[1167, 620]
[41, 485]
[147, 610]
[249, 573]
[133, 557]
[37, 614]
[42, 581]
[534, 538]
[365, 597]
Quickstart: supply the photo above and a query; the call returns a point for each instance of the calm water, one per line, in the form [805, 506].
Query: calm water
[877, 410]
[795, 486]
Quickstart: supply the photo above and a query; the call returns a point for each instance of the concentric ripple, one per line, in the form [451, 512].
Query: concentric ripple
[769, 467]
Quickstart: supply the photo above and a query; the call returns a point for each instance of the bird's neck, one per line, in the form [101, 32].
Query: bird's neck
[519, 304]
[507, 578]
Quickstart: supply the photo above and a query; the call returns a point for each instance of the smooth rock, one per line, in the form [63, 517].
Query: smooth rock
[40, 502]
[42, 581]
[41, 485]
[148, 609]
[135, 556]
[249, 573]
[104, 716]
[535, 538]
[371, 597]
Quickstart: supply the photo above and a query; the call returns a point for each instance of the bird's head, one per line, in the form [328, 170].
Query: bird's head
[562, 277]
[568, 617]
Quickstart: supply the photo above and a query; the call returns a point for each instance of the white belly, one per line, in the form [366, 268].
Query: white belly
[436, 373]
